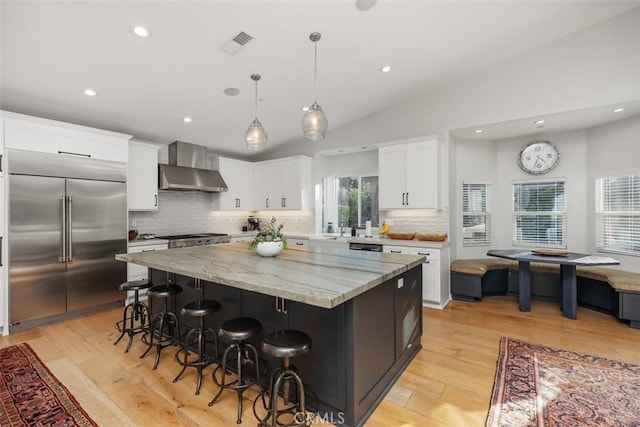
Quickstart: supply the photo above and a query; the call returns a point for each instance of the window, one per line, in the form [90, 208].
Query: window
[357, 200]
[476, 214]
[539, 214]
[350, 201]
[618, 214]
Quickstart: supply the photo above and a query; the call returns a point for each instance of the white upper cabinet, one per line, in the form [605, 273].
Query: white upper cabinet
[47, 136]
[408, 175]
[142, 177]
[3, 159]
[238, 175]
[283, 184]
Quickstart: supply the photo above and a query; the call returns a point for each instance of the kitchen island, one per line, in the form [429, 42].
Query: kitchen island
[362, 310]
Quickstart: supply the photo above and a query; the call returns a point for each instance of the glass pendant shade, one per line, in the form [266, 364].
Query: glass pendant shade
[314, 123]
[255, 136]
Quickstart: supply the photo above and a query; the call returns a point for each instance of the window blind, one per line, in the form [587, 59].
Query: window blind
[539, 214]
[618, 214]
[476, 214]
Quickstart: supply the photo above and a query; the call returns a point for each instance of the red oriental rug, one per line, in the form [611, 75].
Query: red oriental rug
[542, 386]
[31, 396]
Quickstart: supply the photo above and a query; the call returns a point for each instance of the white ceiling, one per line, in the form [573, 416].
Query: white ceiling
[52, 50]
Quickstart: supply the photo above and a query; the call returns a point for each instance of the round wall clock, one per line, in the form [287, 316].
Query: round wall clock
[539, 157]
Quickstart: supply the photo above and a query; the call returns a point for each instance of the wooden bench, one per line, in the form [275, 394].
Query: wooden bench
[611, 291]
[472, 279]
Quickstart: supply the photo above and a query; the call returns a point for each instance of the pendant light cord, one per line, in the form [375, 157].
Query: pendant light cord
[256, 99]
[315, 71]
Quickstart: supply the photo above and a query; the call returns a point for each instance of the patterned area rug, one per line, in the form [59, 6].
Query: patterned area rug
[542, 386]
[31, 396]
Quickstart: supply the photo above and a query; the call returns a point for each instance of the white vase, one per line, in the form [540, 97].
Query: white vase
[269, 249]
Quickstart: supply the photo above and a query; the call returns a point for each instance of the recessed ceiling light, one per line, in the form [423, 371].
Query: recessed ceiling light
[364, 5]
[141, 31]
[386, 68]
[231, 91]
[187, 119]
[618, 110]
[478, 131]
[305, 108]
[539, 122]
[90, 92]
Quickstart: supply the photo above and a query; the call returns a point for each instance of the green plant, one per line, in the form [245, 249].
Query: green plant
[270, 234]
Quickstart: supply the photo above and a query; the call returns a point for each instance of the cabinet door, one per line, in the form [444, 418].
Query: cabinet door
[408, 309]
[3, 162]
[262, 197]
[4, 261]
[431, 283]
[142, 177]
[421, 161]
[391, 165]
[244, 180]
[228, 200]
[291, 184]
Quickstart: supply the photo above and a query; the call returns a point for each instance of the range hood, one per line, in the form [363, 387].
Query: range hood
[186, 170]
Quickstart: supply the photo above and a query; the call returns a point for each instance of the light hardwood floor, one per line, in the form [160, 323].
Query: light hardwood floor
[448, 384]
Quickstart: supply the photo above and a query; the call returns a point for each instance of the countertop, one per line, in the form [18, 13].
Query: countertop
[348, 239]
[317, 276]
[145, 242]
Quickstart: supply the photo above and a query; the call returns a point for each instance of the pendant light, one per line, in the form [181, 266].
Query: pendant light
[314, 122]
[255, 136]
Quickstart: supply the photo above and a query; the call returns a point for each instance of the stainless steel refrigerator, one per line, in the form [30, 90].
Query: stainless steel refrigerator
[67, 220]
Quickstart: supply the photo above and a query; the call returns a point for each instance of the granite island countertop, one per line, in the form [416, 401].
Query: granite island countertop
[317, 276]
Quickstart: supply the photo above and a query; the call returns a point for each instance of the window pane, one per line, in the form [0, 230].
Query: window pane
[618, 214]
[476, 216]
[357, 201]
[539, 214]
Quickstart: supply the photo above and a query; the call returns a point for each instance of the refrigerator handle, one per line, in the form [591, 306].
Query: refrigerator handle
[69, 230]
[63, 250]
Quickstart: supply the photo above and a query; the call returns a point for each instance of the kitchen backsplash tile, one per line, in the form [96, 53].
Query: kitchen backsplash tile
[416, 220]
[191, 212]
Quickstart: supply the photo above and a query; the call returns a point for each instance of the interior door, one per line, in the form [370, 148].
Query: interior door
[37, 270]
[97, 214]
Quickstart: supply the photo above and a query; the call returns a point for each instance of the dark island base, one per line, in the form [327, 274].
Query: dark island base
[359, 348]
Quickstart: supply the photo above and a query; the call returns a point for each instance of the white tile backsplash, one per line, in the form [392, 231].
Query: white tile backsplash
[416, 220]
[181, 212]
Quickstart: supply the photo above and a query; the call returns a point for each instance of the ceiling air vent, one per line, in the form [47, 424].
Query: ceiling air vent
[235, 44]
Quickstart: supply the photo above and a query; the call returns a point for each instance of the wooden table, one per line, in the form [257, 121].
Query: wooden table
[568, 262]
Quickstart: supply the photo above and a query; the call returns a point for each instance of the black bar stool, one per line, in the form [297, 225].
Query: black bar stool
[238, 331]
[135, 314]
[198, 336]
[285, 344]
[164, 326]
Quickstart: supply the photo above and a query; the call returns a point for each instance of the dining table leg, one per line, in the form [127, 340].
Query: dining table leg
[524, 285]
[569, 291]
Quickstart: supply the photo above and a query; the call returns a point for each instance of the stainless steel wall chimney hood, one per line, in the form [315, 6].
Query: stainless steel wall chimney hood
[186, 170]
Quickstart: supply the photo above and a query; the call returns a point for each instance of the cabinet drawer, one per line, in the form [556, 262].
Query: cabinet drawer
[431, 254]
[396, 249]
[297, 242]
[135, 271]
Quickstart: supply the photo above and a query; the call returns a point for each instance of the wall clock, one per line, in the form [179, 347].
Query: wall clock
[539, 157]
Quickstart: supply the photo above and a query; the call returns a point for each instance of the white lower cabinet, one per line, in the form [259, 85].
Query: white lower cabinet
[435, 273]
[137, 272]
[4, 259]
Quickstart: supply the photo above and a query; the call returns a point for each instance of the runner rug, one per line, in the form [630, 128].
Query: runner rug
[542, 386]
[31, 396]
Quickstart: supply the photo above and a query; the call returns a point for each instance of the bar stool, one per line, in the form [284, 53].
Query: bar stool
[163, 324]
[135, 314]
[284, 344]
[238, 331]
[198, 335]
